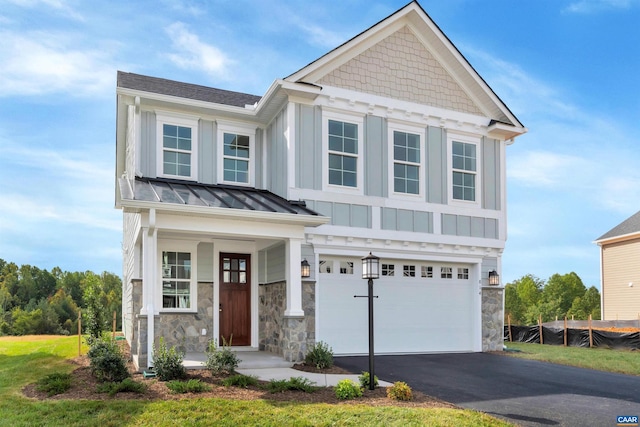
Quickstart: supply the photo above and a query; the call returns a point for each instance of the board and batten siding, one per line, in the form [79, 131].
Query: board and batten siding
[469, 226]
[276, 145]
[344, 214]
[436, 185]
[621, 266]
[148, 146]
[491, 174]
[271, 264]
[376, 161]
[406, 220]
[308, 147]
[205, 262]
[207, 153]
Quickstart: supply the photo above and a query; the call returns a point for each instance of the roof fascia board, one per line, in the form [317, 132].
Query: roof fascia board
[228, 213]
[616, 239]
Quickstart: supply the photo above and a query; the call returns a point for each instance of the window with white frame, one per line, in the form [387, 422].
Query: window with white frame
[342, 141]
[464, 170]
[463, 273]
[236, 153]
[177, 276]
[177, 146]
[446, 273]
[346, 267]
[325, 266]
[406, 162]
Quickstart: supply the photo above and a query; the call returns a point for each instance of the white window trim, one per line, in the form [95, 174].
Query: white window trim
[347, 118]
[416, 130]
[467, 139]
[238, 129]
[179, 246]
[176, 119]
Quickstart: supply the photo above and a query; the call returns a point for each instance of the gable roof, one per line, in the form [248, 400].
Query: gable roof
[184, 90]
[629, 226]
[449, 69]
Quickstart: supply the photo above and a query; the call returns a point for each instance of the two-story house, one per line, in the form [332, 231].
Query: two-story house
[390, 144]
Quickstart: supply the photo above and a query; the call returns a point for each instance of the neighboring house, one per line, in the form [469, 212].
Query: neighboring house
[390, 144]
[620, 270]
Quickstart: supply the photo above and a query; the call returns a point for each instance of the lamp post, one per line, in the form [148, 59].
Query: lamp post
[370, 271]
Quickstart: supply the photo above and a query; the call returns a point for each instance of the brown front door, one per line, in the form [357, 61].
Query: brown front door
[235, 299]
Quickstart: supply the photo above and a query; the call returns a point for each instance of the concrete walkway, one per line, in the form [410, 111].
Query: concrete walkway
[268, 366]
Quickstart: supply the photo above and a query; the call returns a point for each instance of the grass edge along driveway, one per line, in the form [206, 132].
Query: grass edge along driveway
[25, 360]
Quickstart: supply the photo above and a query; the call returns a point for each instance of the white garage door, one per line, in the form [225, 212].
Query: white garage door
[424, 308]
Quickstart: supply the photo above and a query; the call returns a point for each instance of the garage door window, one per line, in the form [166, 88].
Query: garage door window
[346, 267]
[446, 273]
[388, 270]
[409, 271]
[463, 273]
[426, 271]
[325, 266]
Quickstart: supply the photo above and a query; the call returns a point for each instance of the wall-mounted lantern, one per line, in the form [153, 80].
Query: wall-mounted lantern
[494, 278]
[305, 268]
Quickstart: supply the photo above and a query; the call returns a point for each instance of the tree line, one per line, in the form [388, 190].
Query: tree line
[36, 301]
[529, 297]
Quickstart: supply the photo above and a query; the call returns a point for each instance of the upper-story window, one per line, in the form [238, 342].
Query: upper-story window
[342, 140]
[343, 153]
[464, 168]
[407, 165]
[236, 158]
[177, 146]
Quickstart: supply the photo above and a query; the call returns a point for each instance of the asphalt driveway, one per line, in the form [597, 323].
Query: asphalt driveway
[524, 392]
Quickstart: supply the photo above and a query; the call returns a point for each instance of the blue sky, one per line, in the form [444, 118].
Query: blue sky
[567, 68]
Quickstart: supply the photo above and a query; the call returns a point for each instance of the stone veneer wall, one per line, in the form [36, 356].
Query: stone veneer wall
[184, 330]
[492, 319]
[286, 336]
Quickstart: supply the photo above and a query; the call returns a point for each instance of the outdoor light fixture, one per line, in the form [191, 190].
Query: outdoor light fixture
[494, 278]
[370, 267]
[370, 271]
[305, 268]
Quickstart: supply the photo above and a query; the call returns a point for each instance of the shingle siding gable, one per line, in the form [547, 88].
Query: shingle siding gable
[185, 90]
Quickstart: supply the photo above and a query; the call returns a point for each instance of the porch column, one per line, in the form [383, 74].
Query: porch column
[293, 258]
[149, 281]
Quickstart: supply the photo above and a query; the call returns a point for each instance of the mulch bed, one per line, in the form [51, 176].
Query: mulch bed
[84, 386]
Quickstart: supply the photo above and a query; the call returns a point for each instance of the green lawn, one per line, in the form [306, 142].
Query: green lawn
[23, 362]
[602, 359]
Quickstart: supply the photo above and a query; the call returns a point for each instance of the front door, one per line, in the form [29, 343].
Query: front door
[235, 299]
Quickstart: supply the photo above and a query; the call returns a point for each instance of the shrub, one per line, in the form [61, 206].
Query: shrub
[53, 384]
[293, 383]
[221, 359]
[167, 362]
[320, 355]
[399, 391]
[347, 390]
[364, 380]
[106, 361]
[124, 386]
[191, 386]
[240, 380]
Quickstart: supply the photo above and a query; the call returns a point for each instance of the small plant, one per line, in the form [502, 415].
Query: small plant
[106, 361]
[399, 391]
[293, 383]
[53, 384]
[191, 386]
[347, 389]
[221, 359]
[168, 362]
[125, 386]
[364, 380]
[243, 381]
[320, 355]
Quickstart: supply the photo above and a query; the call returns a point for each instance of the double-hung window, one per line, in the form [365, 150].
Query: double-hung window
[177, 146]
[464, 168]
[343, 153]
[342, 141]
[177, 276]
[406, 163]
[236, 154]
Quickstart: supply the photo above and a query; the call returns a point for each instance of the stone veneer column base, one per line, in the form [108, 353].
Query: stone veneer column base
[294, 339]
[492, 319]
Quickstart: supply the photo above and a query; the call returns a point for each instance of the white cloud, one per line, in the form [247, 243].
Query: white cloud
[59, 6]
[191, 53]
[591, 6]
[546, 169]
[320, 36]
[41, 62]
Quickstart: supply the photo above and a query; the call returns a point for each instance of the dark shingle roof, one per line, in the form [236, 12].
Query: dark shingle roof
[628, 226]
[185, 90]
[216, 196]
